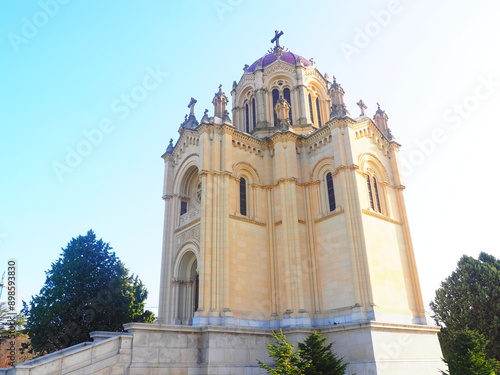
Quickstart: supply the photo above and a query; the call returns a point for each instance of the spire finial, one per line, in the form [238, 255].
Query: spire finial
[170, 147]
[219, 102]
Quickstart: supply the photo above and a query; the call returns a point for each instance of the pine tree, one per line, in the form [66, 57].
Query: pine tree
[467, 354]
[321, 357]
[87, 289]
[286, 360]
[470, 298]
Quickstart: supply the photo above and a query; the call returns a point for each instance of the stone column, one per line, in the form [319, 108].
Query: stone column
[303, 116]
[261, 104]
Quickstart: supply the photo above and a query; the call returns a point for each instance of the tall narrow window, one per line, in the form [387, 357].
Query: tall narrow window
[247, 118]
[370, 193]
[318, 111]
[331, 192]
[377, 197]
[254, 114]
[196, 293]
[276, 96]
[184, 207]
[243, 196]
[286, 94]
[198, 192]
[311, 108]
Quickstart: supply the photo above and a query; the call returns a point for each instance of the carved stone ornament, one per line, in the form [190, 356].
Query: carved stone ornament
[190, 234]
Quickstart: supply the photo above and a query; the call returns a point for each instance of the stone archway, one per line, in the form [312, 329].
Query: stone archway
[188, 285]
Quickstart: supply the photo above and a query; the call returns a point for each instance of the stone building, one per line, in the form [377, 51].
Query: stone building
[287, 213]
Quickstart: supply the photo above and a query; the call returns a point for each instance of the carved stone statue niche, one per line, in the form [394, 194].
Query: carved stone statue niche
[282, 109]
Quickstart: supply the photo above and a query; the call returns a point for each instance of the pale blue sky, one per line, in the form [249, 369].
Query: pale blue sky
[69, 68]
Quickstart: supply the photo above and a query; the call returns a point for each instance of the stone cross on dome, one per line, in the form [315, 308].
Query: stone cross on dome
[276, 38]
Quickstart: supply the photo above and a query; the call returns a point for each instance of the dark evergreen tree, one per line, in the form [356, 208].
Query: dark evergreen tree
[87, 289]
[320, 356]
[313, 357]
[467, 354]
[287, 362]
[470, 298]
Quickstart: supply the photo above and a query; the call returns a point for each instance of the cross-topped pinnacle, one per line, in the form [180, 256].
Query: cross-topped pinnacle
[380, 111]
[191, 106]
[276, 38]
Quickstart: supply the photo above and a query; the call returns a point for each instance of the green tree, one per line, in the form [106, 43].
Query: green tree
[4, 310]
[321, 357]
[470, 298]
[10, 324]
[467, 354]
[287, 361]
[87, 289]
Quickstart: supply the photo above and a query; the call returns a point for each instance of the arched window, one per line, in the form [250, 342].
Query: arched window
[276, 96]
[247, 118]
[190, 193]
[243, 196]
[254, 114]
[184, 207]
[370, 193]
[287, 96]
[318, 112]
[373, 193]
[377, 197]
[331, 193]
[311, 108]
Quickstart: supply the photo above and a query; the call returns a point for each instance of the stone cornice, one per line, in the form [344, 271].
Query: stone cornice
[337, 212]
[289, 179]
[191, 223]
[247, 220]
[372, 131]
[319, 133]
[382, 217]
[284, 137]
[352, 167]
[308, 183]
[206, 172]
[341, 122]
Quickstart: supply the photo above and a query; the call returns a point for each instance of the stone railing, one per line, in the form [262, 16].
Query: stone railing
[189, 216]
[110, 351]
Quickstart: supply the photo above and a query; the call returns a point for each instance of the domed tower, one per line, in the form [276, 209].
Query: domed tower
[280, 77]
[289, 214]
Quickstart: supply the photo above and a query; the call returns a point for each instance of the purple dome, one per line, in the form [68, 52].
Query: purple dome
[288, 57]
